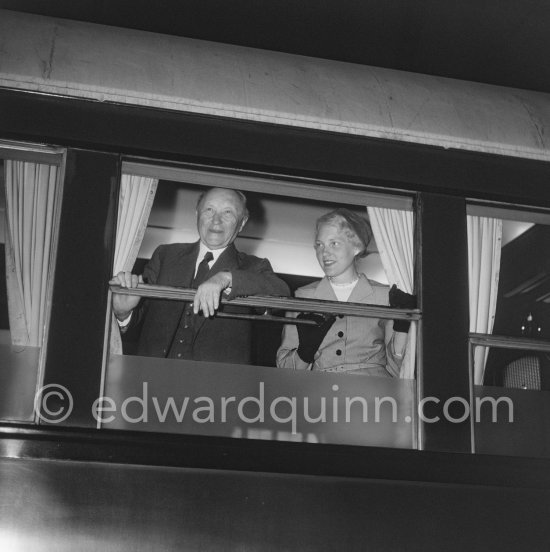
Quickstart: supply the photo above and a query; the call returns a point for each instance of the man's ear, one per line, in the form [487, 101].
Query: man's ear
[244, 221]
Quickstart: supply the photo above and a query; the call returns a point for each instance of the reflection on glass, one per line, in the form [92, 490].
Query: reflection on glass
[170, 396]
[520, 369]
[512, 409]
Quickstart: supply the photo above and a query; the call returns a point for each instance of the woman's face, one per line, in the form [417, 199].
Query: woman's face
[335, 252]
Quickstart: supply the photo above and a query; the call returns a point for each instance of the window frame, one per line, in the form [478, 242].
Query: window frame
[504, 211]
[273, 184]
[46, 155]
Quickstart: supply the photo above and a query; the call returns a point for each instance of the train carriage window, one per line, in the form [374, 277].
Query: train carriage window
[253, 398]
[30, 193]
[509, 279]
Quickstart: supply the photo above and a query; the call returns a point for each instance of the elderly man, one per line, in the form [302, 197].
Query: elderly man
[214, 267]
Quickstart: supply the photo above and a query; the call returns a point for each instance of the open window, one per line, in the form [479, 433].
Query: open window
[259, 400]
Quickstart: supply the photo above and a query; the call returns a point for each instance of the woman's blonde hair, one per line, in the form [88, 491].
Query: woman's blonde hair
[356, 228]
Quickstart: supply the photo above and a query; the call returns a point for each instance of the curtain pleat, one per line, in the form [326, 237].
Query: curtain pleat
[137, 194]
[393, 231]
[31, 191]
[484, 249]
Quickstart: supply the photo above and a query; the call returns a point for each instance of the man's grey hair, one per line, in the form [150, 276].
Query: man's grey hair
[238, 193]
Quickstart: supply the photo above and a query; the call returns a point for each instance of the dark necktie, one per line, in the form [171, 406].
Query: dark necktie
[202, 270]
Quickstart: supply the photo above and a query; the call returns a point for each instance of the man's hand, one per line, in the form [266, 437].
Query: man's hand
[207, 297]
[123, 305]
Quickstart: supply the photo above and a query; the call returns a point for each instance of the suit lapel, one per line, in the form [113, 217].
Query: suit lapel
[182, 268]
[363, 292]
[228, 260]
[324, 291]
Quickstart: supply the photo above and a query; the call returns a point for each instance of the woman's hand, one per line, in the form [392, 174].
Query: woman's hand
[401, 300]
[310, 336]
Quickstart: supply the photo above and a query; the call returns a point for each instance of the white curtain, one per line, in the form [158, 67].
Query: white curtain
[393, 231]
[31, 193]
[484, 247]
[135, 201]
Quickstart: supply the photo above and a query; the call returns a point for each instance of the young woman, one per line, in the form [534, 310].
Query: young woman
[348, 344]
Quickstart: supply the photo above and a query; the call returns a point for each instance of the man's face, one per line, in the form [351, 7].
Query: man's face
[219, 218]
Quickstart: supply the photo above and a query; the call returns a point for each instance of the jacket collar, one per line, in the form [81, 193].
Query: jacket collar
[187, 260]
[182, 270]
[228, 260]
[360, 293]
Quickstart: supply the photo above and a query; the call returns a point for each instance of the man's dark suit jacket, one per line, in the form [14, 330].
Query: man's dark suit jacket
[215, 339]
